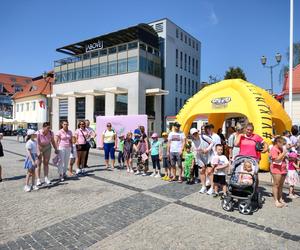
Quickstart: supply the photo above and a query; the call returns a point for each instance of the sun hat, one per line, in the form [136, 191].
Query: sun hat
[193, 131]
[154, 135]
[30, 132]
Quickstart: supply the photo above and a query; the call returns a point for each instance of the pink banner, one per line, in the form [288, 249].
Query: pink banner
[122, 124]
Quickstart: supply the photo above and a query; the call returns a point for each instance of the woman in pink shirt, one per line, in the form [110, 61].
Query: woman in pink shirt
[247, 143]
[63, 140]
[82, 135]
[45, 138]
[278, 169]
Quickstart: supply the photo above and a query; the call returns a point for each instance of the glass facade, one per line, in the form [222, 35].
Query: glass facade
[121, 103]
[147, 62]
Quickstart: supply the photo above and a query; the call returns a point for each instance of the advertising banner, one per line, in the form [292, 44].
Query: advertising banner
[122, 124]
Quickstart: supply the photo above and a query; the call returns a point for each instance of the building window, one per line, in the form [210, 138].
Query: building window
[193, 66]
[176, 105]
[181, 59]
[86, 72]
[189, 63]
[103, 52]
[197, 67]
[176, 57]
[193, 87]
[180, 103]
[94, 54]
[27, 106]
[64, 76]
[121, 103]
[112, 68]
[181, 36]
[33, 106]
[94, 70]
[132, 64]
[185, 61]
[122, 66]
[80, 108]
[150, 106]
[18, 106]
[99, 106]
[159, 27]
[103, 69]
[71, 75]
[193, 44]
[197, 46]
[189, 41]
[180, 84]
[185, 38]
[176, 82]
[189, 86]
[22, 107]
[185, 85]
[63, 109]
[143, 46]
[112, 50]
[122, 48]
[196, 87]
[132, 45]
[78, 74]
[177, 33]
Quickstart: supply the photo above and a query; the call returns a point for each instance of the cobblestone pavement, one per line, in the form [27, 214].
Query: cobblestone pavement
[117, 210]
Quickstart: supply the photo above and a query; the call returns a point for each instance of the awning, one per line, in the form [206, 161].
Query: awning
[116, 90]
[156, 91]
[74, 94]
[94, 92]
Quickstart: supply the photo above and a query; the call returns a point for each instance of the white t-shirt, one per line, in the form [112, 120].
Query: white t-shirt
[220, 160]
[216, 139]
[176, 140]
[32, 146]
[109, 136]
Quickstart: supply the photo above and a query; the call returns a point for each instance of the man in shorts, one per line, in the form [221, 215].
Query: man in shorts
[176, 142]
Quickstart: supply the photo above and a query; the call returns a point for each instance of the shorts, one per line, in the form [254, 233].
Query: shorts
[45, 151]
[166, 163]
[219, 179]
[109, 150]
[278, 169]
[175, 157]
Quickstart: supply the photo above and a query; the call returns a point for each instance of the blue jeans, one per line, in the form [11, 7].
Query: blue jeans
[109, 149]
[155, 162]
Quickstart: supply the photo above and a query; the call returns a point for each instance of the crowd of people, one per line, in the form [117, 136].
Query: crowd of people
[202, 157]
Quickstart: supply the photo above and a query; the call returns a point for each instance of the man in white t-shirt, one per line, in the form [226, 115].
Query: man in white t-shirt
[176, 142]
[215, 137]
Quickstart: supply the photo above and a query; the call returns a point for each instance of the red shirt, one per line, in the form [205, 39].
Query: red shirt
[247, 145]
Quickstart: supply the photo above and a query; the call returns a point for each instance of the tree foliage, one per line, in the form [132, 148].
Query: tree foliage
[235, 73]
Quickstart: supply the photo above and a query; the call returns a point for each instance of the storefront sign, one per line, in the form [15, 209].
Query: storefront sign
[93, 46]
[221, 101]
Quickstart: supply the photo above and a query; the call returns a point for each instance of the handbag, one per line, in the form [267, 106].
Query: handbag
[83, 147]
[92, 143]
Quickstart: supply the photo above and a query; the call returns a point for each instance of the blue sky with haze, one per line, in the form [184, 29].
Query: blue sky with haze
[232, 32]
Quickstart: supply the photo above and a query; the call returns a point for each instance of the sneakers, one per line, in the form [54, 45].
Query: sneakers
[157, 175]
[35, 187]
[137, 172]
[82, 171]
[167, 178]
[144, 174]
[128, 170]
[38, 182]
[131, 171]
[78, 171]
[47, 181]
[153, 174]
[210, 191]
[27, 188]
[203, 190]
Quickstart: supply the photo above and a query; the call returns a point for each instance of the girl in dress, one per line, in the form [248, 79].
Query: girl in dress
[128, 152]
[31, 160]
[292, 175]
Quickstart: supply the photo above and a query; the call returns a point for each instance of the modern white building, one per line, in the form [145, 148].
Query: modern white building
[113, 74]
[181, 55]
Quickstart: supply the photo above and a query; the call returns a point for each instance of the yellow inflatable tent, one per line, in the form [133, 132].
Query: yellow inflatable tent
[234, 98]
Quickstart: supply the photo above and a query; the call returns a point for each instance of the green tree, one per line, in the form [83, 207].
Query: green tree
[235, 73]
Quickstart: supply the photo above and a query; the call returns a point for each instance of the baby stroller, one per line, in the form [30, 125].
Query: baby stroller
[241, 195]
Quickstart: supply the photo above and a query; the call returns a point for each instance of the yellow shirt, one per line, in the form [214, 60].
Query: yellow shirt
[109, 136]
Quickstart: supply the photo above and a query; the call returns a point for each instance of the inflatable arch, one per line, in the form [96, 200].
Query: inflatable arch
[233, 98]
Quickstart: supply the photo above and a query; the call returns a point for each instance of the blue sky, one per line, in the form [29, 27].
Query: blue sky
[232, 32]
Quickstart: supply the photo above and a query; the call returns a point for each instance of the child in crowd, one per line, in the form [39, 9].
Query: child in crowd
[31, 160]
[72, 156]
[121, 154]
[142, 154]
[189, 162]
[155, 155]
[292, 178]
[245, 176]
[165, 158]
[219, 164]
[128, 152]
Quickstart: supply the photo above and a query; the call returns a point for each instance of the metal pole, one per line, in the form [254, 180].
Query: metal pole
[271, 68]
[291, 59]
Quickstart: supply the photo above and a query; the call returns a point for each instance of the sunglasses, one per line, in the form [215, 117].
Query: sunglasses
[108, 126]
[82, 124]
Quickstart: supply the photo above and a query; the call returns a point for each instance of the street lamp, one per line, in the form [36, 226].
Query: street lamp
[263, 61]
[45, 76]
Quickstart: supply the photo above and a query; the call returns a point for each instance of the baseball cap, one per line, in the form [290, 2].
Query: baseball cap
[154, 135]
[30, 132]
[193, 131]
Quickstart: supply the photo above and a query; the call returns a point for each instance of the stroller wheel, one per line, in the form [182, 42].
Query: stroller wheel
[245, 208]
[227, 205]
